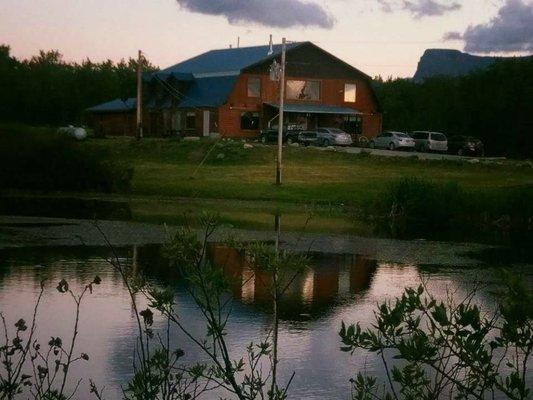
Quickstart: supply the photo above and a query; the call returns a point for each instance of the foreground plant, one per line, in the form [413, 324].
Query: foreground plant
[159, 372]
[35, 371]
[447, 350]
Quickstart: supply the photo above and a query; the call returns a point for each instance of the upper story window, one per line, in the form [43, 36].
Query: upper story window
[350, 92]
[254, 87]
[303, 90]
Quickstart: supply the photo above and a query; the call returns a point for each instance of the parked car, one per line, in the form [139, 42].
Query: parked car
[465, 145]
[270, 135]
[426, 141]
[307, 138]
[333, 137]
[392, 140]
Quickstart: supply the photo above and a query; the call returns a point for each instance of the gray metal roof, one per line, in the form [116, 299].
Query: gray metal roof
[178, 76]
[203, 92]
[117, 105]
[212, 76]
[209, 92]
[226, 61]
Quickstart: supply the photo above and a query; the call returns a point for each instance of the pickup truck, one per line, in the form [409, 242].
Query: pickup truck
[270, 135]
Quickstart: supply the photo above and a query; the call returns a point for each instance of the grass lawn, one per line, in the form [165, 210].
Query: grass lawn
[226, 170]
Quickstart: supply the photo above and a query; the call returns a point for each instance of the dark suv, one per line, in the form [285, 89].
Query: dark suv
[270, 135]
[465, 145]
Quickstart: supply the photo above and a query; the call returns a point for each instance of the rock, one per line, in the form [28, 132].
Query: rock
[214, 135]
[331, 148]
[525, 164]
[77, 133]
[295, 144]
[220, 156]
[473, 161]
[248, 146]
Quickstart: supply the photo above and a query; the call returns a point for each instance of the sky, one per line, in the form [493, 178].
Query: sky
[380, 37]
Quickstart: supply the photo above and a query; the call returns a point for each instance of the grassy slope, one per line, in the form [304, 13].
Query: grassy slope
[165, 167]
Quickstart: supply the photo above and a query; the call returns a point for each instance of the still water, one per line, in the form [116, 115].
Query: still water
[336, 287]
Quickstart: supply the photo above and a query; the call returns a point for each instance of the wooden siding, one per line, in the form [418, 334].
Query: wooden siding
[307, 62]
[113, 124]
[331, 92]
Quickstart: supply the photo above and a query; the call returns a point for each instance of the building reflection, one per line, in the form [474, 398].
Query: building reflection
[329, 279]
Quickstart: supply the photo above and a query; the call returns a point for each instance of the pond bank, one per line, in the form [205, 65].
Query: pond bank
[17, 231]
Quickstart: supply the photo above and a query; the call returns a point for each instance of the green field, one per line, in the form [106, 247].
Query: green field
[226, 170]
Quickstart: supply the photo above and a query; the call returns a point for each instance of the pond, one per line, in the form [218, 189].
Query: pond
[338, 286]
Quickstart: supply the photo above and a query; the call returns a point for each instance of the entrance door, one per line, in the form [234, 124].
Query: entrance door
[176, 122]
[206, 123]
[353, 125]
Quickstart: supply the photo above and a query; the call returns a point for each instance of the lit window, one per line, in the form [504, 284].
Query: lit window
[254, 87]
[190, 121]
[303, 90]
[250, 121]
[350, 92]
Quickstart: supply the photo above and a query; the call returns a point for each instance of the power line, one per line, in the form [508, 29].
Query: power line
[175, 92]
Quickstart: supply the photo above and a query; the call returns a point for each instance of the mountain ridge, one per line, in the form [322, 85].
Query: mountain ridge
[448, 62]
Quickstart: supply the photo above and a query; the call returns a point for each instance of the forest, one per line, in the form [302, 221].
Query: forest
[494, 104]
[46, 90]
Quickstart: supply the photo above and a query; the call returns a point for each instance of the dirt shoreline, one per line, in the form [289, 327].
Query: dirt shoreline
[17, 231]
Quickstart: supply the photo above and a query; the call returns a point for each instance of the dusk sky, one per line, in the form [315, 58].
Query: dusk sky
[381, 37]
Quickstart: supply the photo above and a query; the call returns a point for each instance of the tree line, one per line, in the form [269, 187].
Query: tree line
[46, 90]
[493, 104]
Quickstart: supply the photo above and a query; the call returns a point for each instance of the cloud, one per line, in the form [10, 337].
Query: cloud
[511, 30]
[386, 5]
[419, 8]
[453, 36]
[272, 13]
[425, 8]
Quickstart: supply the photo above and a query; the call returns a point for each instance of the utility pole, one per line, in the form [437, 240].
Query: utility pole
[139, 97]
[281, 106]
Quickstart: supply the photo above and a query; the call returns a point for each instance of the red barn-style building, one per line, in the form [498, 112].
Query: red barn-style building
[229, 92]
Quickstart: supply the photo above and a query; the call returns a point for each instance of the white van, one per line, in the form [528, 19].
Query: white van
[426, 141]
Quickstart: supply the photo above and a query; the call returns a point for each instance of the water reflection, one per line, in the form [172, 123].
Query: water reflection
[330, 279]
[310, 310]
[334, 288]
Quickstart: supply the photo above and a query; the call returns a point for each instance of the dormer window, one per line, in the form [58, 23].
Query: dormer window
[254, 87]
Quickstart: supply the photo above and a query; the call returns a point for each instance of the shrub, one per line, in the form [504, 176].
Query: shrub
[431, 349]
[49, 161]
[413, 204]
